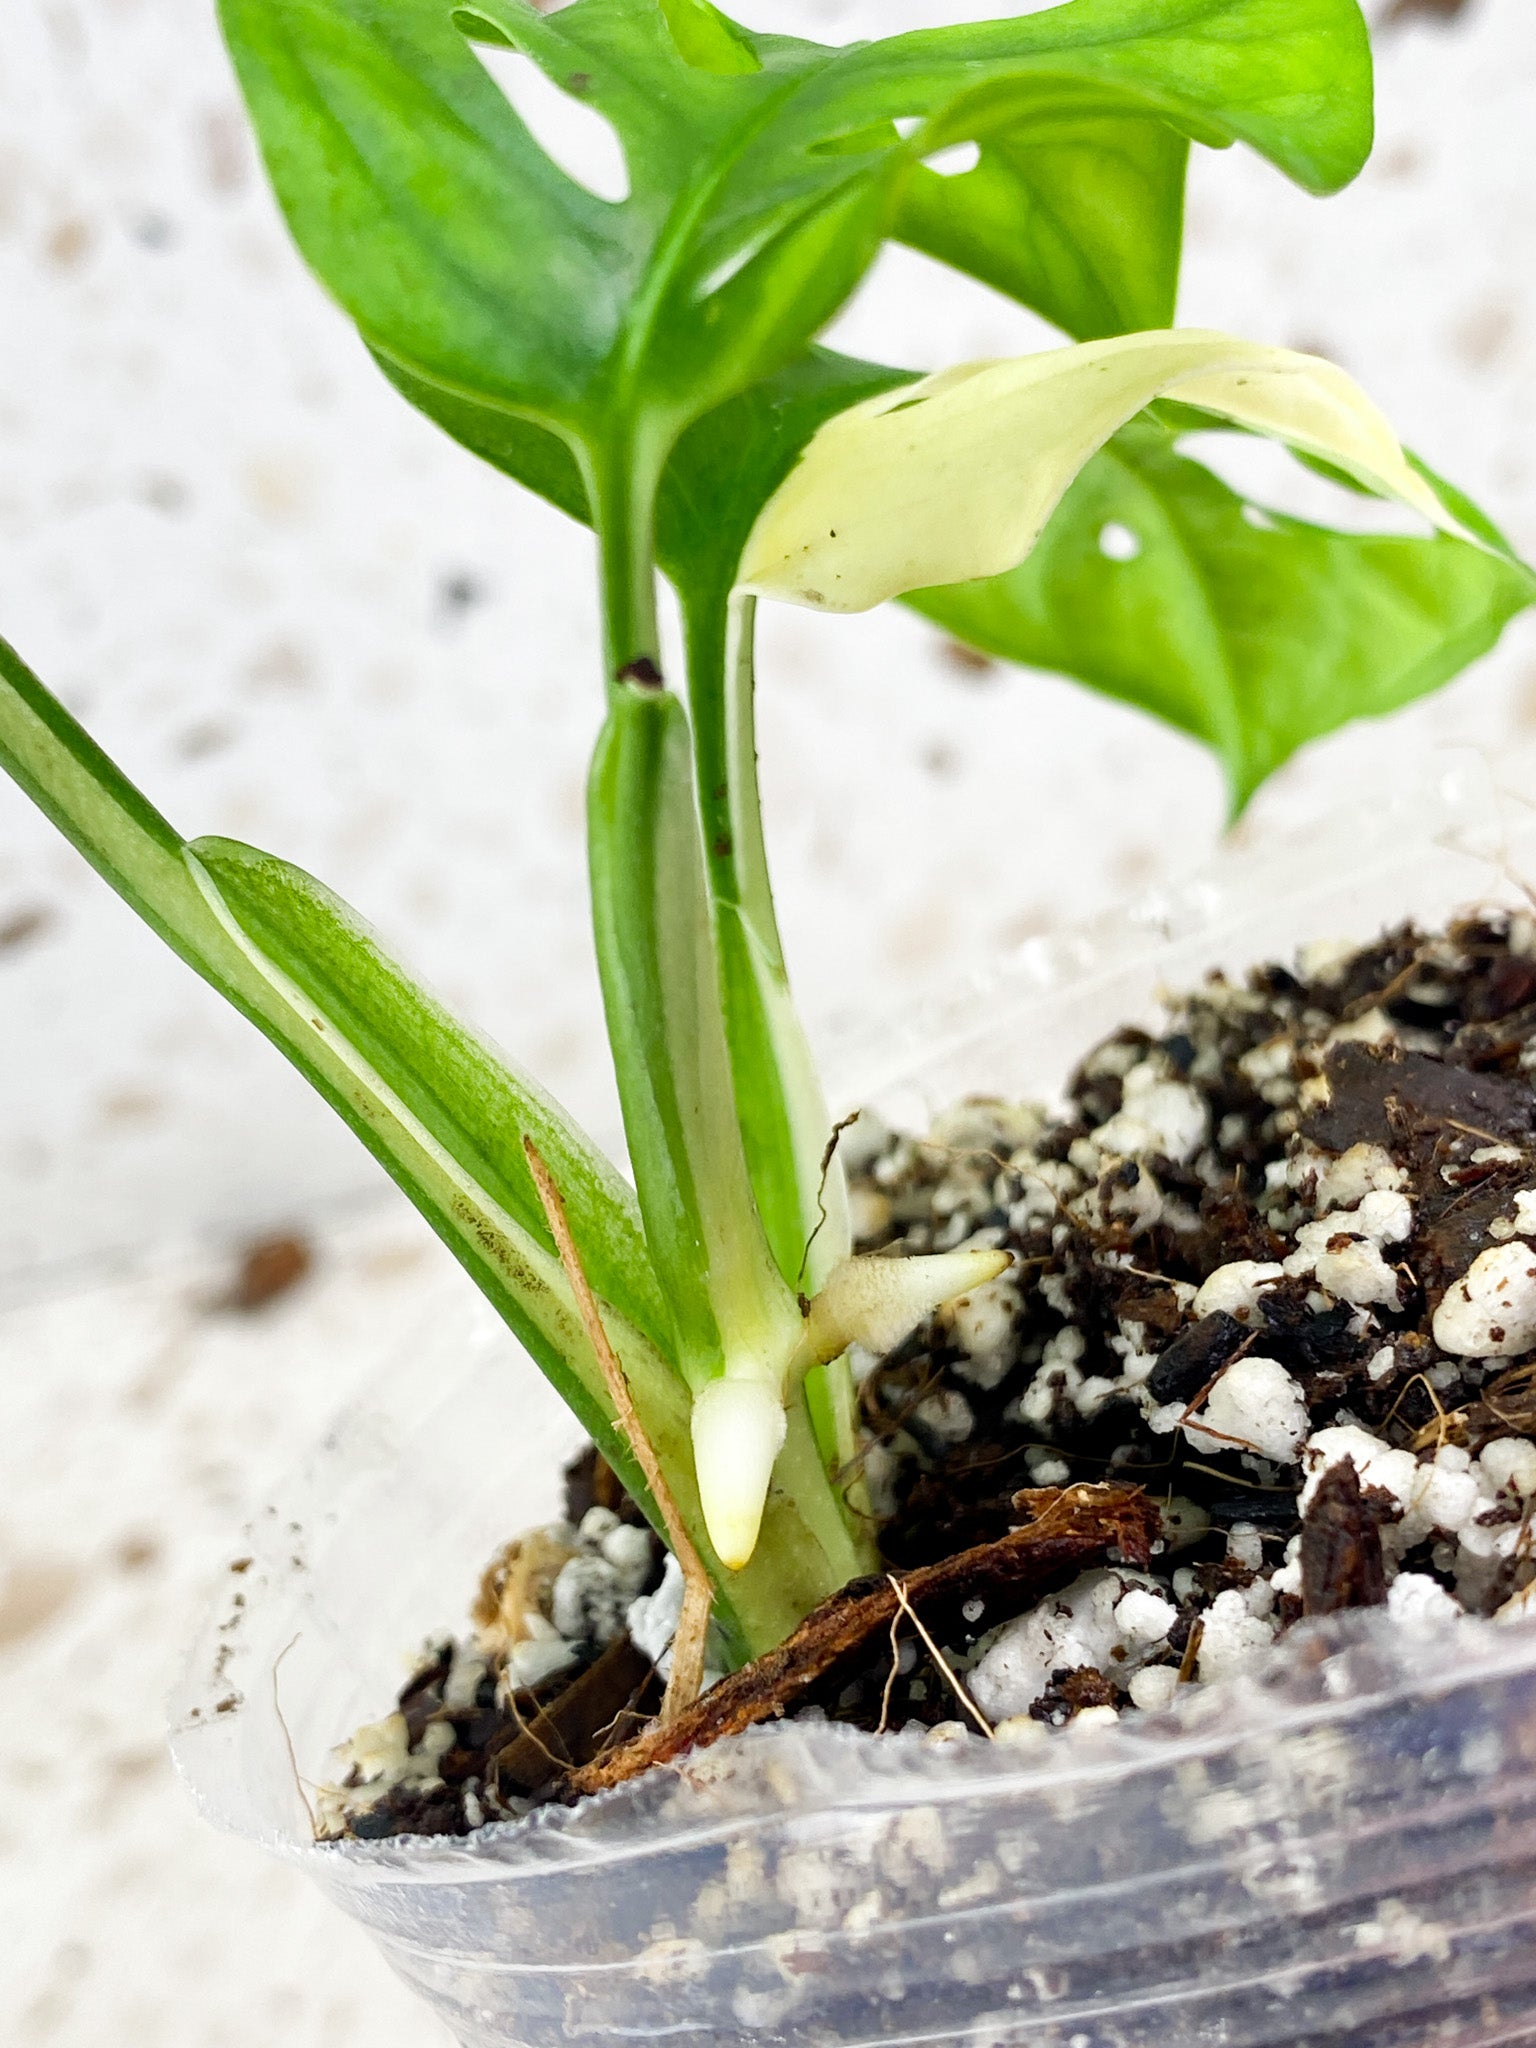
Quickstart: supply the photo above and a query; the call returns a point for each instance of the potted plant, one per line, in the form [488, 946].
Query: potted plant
[650, 365]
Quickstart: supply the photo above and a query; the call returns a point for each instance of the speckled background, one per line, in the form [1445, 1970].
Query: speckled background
[298, 615]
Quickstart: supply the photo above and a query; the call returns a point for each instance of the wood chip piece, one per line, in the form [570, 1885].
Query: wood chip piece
[1069, 1529]
[1377, 1095]
[571, 1730]
[1341, 1563]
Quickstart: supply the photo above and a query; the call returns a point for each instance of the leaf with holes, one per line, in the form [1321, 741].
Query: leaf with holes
[577, 338]
[1158, 584]
[763, 173]
[1076, 213]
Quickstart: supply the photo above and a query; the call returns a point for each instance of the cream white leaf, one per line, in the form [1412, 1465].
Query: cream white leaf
[954, 477]
[878, 1302]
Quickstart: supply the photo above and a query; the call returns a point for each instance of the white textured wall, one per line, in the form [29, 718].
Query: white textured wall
[299, 616]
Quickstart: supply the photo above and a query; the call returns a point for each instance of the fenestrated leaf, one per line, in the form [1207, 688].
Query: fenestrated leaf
[762, 175]
[1253, 635]
[1077, 214]
[1075, 206]
[423, 202]
[954, 477]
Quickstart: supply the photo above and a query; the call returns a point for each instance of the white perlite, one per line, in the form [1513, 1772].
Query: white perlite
[1238, 1288]
[1522, 1223]
[1256, 1406]
[1154, 1688]
[1156, 1115]
[1356, 1173]
[982, 1323]
[1510, 1461]
[532, 1662]
[1078, 1626]
[652, 1619]
[1234, 1638]
[1377, 1464]
[382, 1760]
[1343, 1249]
[1420, 1602]
[1058, 1374]
[1145, 1618]
[1490, 1312]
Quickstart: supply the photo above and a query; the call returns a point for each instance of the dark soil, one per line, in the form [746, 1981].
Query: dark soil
[1432, 1110]
[1007, 1457]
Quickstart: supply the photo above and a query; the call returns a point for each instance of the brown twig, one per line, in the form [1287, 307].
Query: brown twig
[1467, 1130]
[1209, 1429]
[687, 1677]
[1389, 992]
[829, 1153]
[1440, 1428]
[1061, 1534]
[1199, 1399]
[905, 1607]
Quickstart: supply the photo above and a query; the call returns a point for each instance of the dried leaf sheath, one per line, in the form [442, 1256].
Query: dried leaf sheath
[698, 1594]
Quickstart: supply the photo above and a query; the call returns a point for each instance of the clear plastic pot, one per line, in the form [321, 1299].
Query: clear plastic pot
[1341, 1850]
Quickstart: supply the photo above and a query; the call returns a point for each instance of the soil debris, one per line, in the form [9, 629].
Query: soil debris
[555, 1673]
[1341, 1561]
[1400, 11]
[266, 1269]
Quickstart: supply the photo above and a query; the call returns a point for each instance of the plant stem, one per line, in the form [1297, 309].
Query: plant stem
[621, 487]
[785, 1122]
[665, 988]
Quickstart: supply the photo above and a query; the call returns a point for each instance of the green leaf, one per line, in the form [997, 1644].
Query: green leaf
[572, 340]
[1075, 206]
[655, 944]
[1252, 637]
[723, 467]
[1076, 214]
[721, 471]
[510, 442]
[412, 1133]
[443, 1118]
[475, 1105]
[757, 196]
[707, 40]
